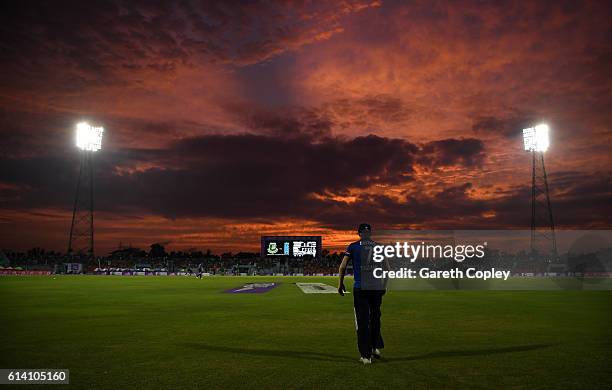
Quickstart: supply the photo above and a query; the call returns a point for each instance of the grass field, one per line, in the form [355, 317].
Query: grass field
[179, 332]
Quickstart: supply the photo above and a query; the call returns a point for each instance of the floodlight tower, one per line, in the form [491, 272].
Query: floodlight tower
[536, 141]
[81, 242]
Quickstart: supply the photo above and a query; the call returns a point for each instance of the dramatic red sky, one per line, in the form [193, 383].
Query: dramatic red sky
[226, 120]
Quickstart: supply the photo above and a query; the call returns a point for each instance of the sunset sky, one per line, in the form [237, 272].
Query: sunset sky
[228, 120]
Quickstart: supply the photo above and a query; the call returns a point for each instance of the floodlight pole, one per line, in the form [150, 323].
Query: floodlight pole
[91, 204]
[81, 241]
[536, 189]
[74, 208]
[533, 200]
[550, 214]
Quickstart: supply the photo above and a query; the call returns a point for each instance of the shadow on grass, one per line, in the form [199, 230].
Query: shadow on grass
[473, 352]
[321, 356]
[307, 355]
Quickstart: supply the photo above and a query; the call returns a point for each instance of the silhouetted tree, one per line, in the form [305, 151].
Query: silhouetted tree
[157, 250]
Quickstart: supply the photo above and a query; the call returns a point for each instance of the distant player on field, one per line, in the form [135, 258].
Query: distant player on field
[200, 270]
[366, 301]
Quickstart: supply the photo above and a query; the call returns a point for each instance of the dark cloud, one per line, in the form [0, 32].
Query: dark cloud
[254, 177]
[455, 208]
[241, 176]
[297, 122]
[580, 202]
[507, 127]
[78, 44]
[468, 152]
[319, 121]
[251, 177]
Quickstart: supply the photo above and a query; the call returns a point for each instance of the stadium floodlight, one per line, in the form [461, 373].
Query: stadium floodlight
[537, 142]
[81, 241]
[89, 138]
[536, 138]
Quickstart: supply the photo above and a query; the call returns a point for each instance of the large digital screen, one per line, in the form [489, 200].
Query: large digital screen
[291, 246]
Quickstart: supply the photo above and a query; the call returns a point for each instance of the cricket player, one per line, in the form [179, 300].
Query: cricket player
[366, 301]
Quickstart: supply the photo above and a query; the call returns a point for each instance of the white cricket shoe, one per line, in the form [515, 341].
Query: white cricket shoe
[376, 353]
[365, 360]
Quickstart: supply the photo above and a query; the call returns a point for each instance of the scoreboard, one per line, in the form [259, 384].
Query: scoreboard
[291, 246]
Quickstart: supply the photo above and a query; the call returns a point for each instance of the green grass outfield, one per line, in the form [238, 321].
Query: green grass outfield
[178, 332]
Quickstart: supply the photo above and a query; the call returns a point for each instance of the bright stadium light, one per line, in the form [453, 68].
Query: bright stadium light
[536, 138]
[89, 138]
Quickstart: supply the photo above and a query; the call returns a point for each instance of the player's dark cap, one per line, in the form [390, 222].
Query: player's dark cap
[364, 227]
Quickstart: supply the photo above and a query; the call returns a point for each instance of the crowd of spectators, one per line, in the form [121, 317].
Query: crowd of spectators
[157, 259]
